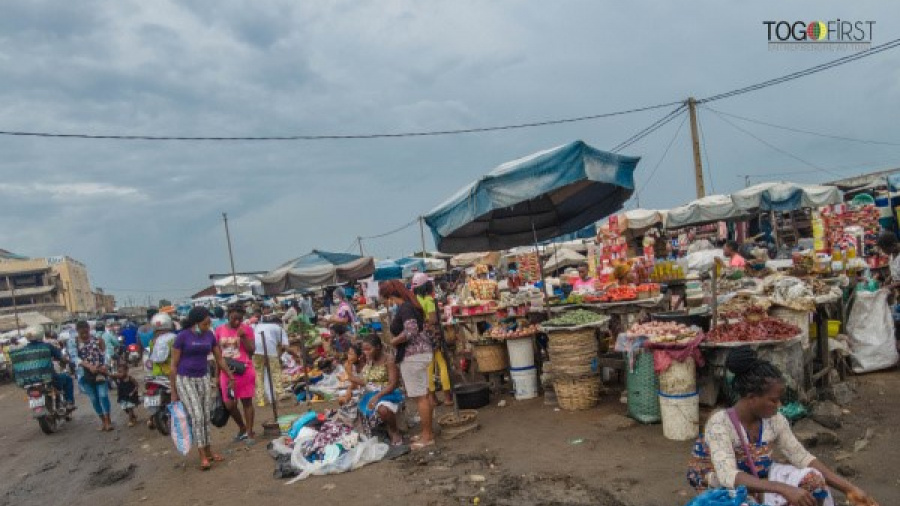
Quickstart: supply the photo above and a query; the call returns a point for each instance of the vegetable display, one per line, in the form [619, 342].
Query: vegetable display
[575, 318]
[768, 329]
[664, 332]
[500, 333]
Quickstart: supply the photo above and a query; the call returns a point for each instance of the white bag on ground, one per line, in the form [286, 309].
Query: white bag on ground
[368, 450]
[871, 331]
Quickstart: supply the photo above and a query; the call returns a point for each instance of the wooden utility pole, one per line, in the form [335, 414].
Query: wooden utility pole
[422, 234]
[359, 241]
[695, 139]
[12, 288]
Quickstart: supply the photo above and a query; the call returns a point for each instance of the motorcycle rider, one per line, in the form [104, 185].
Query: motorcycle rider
[61, 381]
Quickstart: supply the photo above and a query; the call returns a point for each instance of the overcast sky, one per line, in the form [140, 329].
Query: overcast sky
[146, 216]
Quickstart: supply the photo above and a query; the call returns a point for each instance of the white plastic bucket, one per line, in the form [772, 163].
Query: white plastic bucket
[679, 379]
[521, 353]
[525, 382]
[680, 416]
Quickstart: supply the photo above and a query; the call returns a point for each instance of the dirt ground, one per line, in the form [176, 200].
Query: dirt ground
[524, 454]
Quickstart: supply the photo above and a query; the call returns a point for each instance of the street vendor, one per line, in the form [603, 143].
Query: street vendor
[739, 444]
[735, 260]
[890, 246]
[583, 283]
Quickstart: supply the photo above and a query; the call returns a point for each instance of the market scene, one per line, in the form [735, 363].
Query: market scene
[539, 335]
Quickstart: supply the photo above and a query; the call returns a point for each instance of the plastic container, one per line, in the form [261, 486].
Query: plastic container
[679, 379]
[680, 416]
[525, 382]
[521, 353]
[472, 396]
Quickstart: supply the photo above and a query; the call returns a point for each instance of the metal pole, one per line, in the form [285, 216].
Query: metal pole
[698, 164]
[269, 375]
[12, 289]
[230, 253]
[359, 241]
[422, 233]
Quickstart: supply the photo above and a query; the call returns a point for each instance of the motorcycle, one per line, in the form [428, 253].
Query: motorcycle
[157, 396]
[47, 406]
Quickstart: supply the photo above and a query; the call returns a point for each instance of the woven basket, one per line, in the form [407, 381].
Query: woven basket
[577, 393]
[679, 379]
[573, 352]
[643, 390]
[490, 357]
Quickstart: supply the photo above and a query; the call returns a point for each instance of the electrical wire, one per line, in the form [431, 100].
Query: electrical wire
[712, 184]
[392, 232]
[778, 149]
[342, 137]
[739, 91]
[656, 125]
[798, 130]
[892, 44]
[661, 159]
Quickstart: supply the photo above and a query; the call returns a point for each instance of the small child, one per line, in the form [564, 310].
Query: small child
[127, 388]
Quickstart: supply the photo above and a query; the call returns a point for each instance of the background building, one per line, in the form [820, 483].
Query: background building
[105, 303]
[57, 287]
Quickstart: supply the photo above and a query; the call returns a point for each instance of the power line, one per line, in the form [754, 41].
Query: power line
[656, 125]
[803, 73]
[778, 149]
[739, 91]
[663, 157]
[392, 232]
[798, 130]
[341, 137]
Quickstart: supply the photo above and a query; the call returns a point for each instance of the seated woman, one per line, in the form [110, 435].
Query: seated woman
[380, 378]
[737, 448]
[353, 367]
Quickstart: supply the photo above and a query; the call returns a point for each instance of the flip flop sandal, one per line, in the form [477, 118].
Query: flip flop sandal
[418, 446]
[217, 458]
[241, 437]
[205, 465]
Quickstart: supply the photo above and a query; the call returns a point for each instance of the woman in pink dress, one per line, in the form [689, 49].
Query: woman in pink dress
[236, 340]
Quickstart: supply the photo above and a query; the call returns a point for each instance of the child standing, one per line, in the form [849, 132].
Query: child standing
[126, 386]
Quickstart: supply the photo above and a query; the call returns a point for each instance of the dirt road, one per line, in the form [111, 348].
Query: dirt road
[525, 454]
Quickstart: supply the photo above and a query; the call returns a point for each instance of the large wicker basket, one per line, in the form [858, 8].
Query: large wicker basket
[490, 357]
[577, 393]
[573, 352]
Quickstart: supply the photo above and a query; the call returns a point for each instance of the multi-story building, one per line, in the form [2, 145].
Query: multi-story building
[105, 303]
[57, 287]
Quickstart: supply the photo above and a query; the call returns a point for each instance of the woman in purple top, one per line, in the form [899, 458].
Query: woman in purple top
[190, 377]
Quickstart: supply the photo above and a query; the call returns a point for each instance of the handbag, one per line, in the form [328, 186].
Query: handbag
[237, 367]
[218, 415]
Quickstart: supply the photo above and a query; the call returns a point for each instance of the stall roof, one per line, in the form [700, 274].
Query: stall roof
[865, 181]
[785, 197]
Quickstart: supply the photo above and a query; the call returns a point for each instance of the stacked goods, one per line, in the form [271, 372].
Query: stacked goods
[528, 267]
[740, 304]
[838, 217]
[767, 329]
[502, 333]
[664, 332]
[620, 294]
[573, 350]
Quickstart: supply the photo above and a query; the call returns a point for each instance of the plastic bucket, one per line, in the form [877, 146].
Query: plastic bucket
[521, 353]
[525, 382]
[680, 416]
[679, 379]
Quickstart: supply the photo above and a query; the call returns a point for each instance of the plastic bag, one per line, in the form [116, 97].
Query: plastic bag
[871, 330]
[368, 450]
[180, 426]
[218, 415]
[724, 497]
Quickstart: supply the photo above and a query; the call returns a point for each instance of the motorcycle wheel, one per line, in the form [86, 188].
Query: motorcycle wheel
[48, 424]
[161, 420]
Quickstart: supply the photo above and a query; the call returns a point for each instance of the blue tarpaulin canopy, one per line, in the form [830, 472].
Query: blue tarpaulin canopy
[542, 196]
[317, 269]
[402, 268]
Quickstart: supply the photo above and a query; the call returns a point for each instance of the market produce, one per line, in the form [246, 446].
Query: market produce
[738, 305]
[575, 318]
[501, 333]
[769, 329]
[664, 332]
[620, 293]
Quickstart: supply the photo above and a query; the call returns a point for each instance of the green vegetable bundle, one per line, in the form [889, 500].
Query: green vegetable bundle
[575, 318]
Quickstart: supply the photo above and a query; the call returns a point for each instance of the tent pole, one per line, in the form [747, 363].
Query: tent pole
[422, 234]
